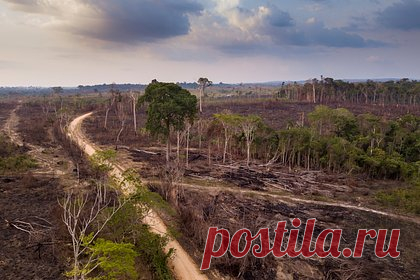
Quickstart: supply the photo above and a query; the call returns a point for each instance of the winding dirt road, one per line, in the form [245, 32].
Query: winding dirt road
[182, 264]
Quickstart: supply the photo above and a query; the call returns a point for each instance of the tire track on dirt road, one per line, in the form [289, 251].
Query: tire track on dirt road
[182, 264]
[10, 128]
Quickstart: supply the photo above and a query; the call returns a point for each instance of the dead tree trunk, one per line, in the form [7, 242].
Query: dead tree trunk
[313, 91]
[187, 146]
[168, 149]
[117, 140]
[133, 100]
[178, 144]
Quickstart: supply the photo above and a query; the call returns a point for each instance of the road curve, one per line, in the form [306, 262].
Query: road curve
[181, 263]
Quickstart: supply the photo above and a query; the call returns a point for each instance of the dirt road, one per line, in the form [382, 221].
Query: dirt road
[46, 163]
[182, 264]
[10, 127]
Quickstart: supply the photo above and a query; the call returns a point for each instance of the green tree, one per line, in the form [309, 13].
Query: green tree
[345, 124]
[115, 260]
[249, 125]
[230, 123]
[371, 127]
[57, 90]
[170, 107]
[321, 119]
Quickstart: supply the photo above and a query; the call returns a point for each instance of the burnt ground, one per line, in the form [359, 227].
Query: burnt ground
[232, 197]
[247, 198]
[277, 113]
[232, 211]
[23, 256]
[5, 109]
[319, 185]
[31, 198]
[355, 188]
[275, 179]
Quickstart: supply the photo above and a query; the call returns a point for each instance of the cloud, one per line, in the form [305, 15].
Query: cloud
[318, 34]
[271, 25]
[124, 21]
[250, 19]
[279, 18]
[57, 8]
[403, 15]
[233, 29]
[225, 26]
[315, 33]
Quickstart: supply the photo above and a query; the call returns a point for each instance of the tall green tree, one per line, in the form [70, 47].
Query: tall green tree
[170, 107]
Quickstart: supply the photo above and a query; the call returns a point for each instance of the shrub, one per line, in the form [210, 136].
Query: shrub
[19, 163]
[407, 199]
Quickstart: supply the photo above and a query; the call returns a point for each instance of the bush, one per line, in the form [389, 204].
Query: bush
[117, 260]
[407, 199]
[12, 157]
[19, 163]
[126, 226]
[151, 246]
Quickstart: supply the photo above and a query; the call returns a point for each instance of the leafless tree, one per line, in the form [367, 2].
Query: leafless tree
[111, 102]
[171, 175]
[203, 83]
[134, 97]
[202, 125]
[187, 142]
[314, 83]
[121, 112]
[81, 217]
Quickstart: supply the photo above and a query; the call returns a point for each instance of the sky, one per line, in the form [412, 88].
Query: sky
[86, 42]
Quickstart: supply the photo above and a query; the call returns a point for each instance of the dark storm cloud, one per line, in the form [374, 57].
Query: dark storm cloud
[124, 21]
[283, 30]
[146, 20]
[318, 35]
[403, 15]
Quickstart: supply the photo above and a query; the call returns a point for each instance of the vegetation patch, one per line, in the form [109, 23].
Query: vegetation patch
[406, 199]
[13, 159]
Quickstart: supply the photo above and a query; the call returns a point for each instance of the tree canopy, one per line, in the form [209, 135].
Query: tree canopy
[170, 106]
